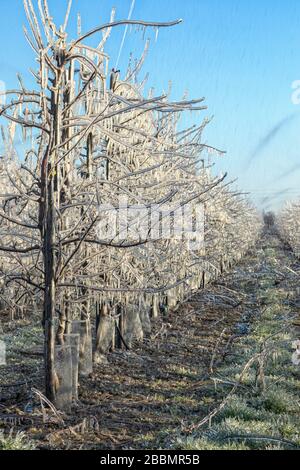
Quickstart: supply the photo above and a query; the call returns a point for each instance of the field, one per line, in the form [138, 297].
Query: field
[184, 387]
[146, 302]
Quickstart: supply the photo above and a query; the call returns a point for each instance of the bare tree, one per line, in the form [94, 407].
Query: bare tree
[289, 225]
[91, 141]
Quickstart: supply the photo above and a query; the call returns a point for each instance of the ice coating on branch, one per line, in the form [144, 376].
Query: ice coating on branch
[122, 169]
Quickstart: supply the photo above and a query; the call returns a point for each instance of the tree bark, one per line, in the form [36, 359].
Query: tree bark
[50, 295]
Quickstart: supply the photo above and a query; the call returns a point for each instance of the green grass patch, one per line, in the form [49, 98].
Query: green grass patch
[15, 441]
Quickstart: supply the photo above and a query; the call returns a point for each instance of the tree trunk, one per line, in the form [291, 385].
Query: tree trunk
[49, 191]
[49, 296]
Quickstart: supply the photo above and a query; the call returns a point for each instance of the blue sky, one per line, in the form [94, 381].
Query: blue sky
[242, 55]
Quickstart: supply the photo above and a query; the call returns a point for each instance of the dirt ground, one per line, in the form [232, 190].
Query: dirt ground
[156, 395]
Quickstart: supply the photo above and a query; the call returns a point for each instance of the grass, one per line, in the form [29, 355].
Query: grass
[183, 371]
[15, 441]
[256, 417]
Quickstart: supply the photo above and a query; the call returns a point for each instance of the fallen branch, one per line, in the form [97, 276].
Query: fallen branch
[222, 405]
[43, 400]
